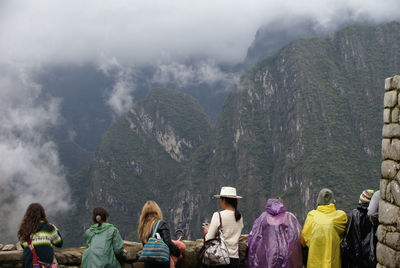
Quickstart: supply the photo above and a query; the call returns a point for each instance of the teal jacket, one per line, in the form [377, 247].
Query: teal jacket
[103, 244]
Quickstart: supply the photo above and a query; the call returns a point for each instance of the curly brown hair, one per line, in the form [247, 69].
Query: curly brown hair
[30, 223]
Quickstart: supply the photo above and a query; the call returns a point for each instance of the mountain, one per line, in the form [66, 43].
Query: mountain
[308, 117]
[140, 158]
[272, 37]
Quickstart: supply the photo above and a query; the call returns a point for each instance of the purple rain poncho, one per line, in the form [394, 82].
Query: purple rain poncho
[274, 240]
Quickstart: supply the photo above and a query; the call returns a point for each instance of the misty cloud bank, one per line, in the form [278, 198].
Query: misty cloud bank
[186, 75]
[143, 32]
[120, 99]
[29, 168]
[120, 37]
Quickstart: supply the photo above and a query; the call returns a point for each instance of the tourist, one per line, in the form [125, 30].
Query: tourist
[152, 215]
[274, 240]
[103, 241]
[232, 224]
[373, 209]
[358, 247]
[323, 232]
[38, 236]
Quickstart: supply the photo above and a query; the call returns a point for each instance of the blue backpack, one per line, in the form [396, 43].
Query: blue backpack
[155, 250]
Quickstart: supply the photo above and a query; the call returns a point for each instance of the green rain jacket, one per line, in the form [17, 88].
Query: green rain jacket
[103, 244]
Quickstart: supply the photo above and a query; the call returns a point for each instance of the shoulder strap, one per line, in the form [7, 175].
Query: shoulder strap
[219, 230]
[155, 228]
[220, 220]
[32, 249]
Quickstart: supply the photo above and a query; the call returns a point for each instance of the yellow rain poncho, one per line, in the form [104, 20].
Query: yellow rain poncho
[322, 233]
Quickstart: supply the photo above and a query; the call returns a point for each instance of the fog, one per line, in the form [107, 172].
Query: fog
[142, 32]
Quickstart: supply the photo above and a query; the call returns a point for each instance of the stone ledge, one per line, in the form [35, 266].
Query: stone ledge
[71, 257]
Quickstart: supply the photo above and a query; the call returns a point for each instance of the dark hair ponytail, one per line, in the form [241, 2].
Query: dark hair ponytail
[234, 203]
[99, 215]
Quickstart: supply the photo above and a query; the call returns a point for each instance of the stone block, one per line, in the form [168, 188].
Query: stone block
[395, 115]
[395, 83]
[398, 177]
[18, 246]
[395, 193]
[391, 149]
[389, 236]
[390, 99]
[389, 169]
[10, 256]
[388, 83]
[389, 214]
[391, 131]
[9, 247]
[387, 256]
[386, 116]
[378, 265]
[383, 185]
[69, 256]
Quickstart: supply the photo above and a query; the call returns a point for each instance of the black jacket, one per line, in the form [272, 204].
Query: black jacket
[358, 246]
[165, 234]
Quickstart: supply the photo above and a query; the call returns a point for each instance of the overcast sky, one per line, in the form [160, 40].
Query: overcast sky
[116, 36]
[149, 31]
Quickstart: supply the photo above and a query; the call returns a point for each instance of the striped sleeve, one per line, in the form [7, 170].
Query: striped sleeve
[55, 238]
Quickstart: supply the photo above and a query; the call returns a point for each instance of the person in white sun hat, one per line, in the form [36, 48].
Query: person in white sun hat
[232, 223]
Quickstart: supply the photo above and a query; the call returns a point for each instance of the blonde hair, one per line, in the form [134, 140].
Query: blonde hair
[151, 212]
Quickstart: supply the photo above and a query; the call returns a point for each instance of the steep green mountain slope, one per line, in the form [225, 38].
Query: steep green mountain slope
[309, 117]
[140, 158]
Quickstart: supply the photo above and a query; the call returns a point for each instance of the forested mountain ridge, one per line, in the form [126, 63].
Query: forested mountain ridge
[306, 118]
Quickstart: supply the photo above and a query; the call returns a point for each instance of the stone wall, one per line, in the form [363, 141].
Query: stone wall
[11, 257]
[388, 249]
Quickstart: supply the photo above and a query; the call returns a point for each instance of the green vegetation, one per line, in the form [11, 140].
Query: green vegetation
[309, 117]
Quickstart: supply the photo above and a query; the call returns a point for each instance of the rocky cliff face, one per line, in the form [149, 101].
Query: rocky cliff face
[306, 118]
[140, 158]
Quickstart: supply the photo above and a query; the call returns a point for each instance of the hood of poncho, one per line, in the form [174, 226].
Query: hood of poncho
[275, 206]
[99, 229]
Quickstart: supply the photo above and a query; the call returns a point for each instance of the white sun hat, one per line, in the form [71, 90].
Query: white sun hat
[229, 192]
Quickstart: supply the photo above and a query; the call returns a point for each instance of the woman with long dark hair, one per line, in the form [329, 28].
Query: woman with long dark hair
[232, 224]
[103, 241]
[40, 233]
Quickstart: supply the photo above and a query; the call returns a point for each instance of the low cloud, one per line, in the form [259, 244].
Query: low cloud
[120, 99]
[145, 32]
[186, 75]
[29, 168]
